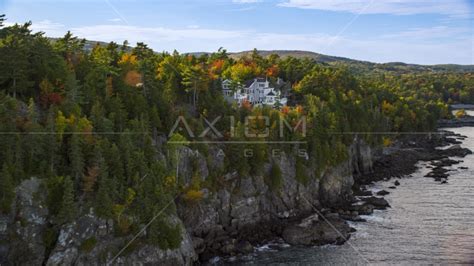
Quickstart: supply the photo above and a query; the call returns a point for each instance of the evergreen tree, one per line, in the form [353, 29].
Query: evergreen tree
[68, 209]
[106, 190]
[76, 158]
[6, 190]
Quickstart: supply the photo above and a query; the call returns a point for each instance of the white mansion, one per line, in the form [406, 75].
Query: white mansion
[256, 91]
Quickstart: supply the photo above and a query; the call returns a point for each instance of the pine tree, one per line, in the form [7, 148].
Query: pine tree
[2, 19]
[14, 64]
[68, 209]
[76, 158]
[105, 192]
[6, 190]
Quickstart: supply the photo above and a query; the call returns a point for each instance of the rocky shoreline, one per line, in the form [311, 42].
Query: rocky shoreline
[241, 215]
[397, 161]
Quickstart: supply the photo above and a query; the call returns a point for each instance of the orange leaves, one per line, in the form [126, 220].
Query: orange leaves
[215, 68]
[246, 105]
[285, 110]
[133, 78]
[300, 109]
[273, 71]
[129, 62]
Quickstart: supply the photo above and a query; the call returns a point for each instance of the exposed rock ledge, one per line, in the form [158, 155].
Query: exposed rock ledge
[242, 213]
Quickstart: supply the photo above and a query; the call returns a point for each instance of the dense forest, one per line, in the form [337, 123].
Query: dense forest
[95, 123]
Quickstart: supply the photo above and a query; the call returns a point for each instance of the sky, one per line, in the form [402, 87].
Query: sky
[410, 31]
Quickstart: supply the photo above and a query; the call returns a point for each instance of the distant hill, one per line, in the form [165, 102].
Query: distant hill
[355, 65]
[358, 65]
[298, 54]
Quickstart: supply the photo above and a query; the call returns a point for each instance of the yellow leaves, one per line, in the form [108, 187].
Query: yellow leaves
[242, 71]
[128, 60]
[387, 108]
[81, 125]
[297, 87]
[84, 125]
[193, 195]
[124, 223]
[170, 182]
[46, 86]
[130, 196]
[61, 124]
[387, 142]
[300, 109]
[460, 113]
[177, 138]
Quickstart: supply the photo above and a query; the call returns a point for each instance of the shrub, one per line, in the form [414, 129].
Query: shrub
[274, 181]
[165, 235]
[50, 236]
[301, 175]
[88, 244]
[193, 195]
[387, 142]
[461, 113]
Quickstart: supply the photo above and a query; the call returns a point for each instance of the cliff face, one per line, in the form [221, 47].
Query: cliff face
[242, 212]
[247, 210]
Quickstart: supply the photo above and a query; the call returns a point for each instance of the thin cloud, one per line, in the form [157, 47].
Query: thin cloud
[401, 47]
[52, 29]
[459, 8]
[246, 1]
[430, 33]
[115, 20]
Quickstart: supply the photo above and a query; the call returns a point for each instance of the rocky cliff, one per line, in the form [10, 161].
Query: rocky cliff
[242, 212]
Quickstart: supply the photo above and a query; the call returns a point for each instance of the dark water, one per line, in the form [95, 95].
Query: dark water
[429, 223]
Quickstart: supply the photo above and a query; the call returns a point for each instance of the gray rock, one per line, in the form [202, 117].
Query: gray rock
[27, 246]
[318, 233]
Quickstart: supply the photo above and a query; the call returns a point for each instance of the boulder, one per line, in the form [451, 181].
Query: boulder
[364, 209]
[320, 232]
[378, 203]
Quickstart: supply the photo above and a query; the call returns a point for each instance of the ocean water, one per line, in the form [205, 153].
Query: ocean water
[429, 223]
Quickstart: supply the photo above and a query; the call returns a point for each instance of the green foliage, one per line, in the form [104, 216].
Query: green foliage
[55, 194]
[88, 245]
[68, 209]
[105, 114]
[6, 190]
[50, 236]
[301, 174]
[165, 235]
[274, 180]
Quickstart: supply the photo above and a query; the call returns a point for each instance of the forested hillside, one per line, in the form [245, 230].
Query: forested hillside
[360, 66]
[95, 124]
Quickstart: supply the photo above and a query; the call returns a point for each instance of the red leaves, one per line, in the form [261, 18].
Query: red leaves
[53, 98]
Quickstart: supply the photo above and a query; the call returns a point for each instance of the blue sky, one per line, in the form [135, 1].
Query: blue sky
[412, 31]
